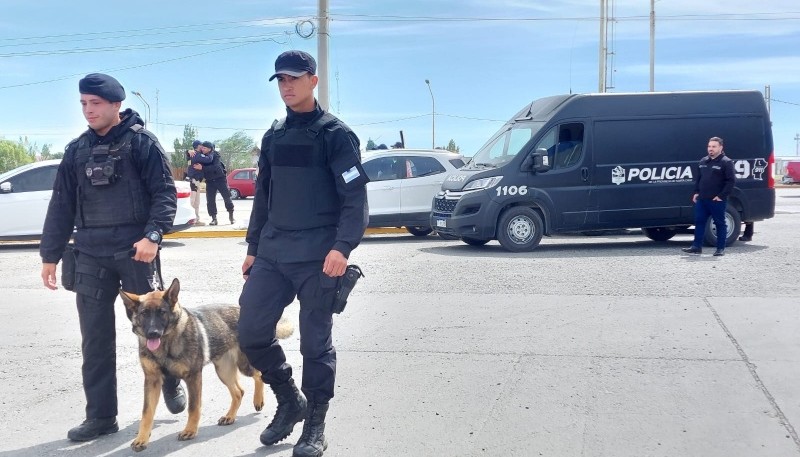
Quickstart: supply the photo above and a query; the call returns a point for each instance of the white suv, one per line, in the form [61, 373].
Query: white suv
[403, 183]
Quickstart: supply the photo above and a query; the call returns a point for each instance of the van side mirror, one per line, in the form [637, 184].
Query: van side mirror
[538, 161]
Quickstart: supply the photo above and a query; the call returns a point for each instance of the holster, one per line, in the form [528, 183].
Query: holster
[68, 260]
[345, 285]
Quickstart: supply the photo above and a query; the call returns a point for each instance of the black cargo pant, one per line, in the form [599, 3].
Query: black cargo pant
[212, 187]
[97, 284]
[269, 289]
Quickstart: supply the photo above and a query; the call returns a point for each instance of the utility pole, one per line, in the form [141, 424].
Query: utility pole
[797, 144]
[652, 45]
[601, 79]
[322, 54]
[767, 97]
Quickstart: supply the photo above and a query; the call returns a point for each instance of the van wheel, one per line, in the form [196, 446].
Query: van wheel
[419, 230]
[474, 241]
[659, 233]
[235, 194]
[733, 222]
[520, 229]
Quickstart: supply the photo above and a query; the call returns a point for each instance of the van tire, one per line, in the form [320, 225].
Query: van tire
[473, 241]
[659, 233]
[520, 229]
[419, 230]
[734, 222]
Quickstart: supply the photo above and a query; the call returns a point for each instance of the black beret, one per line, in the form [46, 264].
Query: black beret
[196, 143]
[103, 86]
[208, 144]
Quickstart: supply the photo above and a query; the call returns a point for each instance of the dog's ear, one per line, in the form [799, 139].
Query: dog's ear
[172, 293]
[131, 302]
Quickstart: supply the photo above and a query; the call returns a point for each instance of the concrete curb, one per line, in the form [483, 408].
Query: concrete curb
[240, 233]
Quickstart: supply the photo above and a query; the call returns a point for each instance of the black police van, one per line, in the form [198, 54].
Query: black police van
[590, 162]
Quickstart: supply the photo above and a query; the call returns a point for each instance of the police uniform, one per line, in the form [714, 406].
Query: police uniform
[310, 199]
[216, 181]
[114, 189]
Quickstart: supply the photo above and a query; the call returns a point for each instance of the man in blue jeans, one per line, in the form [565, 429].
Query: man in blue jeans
[714, 183]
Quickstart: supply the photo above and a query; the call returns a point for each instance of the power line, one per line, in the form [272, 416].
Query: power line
[130, 67]
[781, 101]
[134, 47]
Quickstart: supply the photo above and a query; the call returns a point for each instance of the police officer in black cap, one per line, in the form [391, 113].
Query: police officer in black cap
[309, 213]
[115, 187]
[216, 181]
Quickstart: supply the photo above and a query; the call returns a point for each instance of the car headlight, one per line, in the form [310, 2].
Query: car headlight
[483, 183]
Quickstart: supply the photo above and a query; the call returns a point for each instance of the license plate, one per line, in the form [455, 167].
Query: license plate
[441, 223]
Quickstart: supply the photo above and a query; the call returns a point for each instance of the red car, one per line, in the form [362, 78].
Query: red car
[242, 182]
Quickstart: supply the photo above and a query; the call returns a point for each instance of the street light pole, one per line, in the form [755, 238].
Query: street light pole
[147, 121]
[433, 116]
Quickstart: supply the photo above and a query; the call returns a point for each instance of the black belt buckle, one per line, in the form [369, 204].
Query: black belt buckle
[346, 283]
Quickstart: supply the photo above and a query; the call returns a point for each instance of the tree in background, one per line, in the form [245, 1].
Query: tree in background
[236, 151]
[451, 146]
[12, 155]
[178, 158]
[370, 144]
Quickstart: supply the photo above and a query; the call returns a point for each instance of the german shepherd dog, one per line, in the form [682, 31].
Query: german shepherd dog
[180, 341]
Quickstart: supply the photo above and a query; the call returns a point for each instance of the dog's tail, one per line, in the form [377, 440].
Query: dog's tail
[284, 329]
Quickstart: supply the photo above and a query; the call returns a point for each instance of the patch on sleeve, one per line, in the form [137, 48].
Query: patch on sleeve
[350, 175]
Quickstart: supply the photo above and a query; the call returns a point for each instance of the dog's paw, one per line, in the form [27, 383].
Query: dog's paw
[139, 445]
[258, 405]
[187, 435]
[225, 420]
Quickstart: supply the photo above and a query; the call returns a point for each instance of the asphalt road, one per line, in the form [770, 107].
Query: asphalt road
[588, 346]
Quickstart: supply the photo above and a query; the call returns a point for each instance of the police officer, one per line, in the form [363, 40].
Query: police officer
[714, 183]
[216, 181]
[114, 185]
[309, 213]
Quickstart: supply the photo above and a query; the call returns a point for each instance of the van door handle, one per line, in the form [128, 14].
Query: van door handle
[585, 173]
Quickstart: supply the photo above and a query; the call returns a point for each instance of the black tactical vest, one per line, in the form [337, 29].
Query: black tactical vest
[123, 200]
[302, 191]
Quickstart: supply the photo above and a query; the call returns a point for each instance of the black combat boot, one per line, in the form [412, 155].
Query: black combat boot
[174, 397]
[92, 428]
[230, 213]
[213, 221]
[292, 407]
[312, 442]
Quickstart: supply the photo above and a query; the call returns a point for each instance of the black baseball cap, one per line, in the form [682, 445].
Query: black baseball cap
[294, 63]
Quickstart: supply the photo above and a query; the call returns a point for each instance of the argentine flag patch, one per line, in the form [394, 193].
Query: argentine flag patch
[350, 175]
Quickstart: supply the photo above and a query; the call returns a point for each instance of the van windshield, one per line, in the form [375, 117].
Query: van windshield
[504, 145]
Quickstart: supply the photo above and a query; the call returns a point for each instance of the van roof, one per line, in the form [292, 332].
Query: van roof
[644, 104]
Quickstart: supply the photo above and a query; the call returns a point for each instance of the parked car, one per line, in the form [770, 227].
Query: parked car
[403, 183]
[25, 194]
[792, 175]
[242, 182]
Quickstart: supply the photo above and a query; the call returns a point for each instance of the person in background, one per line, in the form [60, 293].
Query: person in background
[714, 183]
[216, 181]
[194, 173]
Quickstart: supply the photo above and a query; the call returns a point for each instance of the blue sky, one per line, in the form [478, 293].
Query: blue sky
[207, 63]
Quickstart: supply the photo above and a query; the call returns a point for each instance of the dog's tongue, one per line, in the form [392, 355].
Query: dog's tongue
[153, 344]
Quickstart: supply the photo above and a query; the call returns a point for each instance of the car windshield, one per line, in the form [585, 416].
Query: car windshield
[505, 145]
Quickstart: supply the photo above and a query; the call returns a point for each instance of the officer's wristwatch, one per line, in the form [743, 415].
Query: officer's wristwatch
[153, 236]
